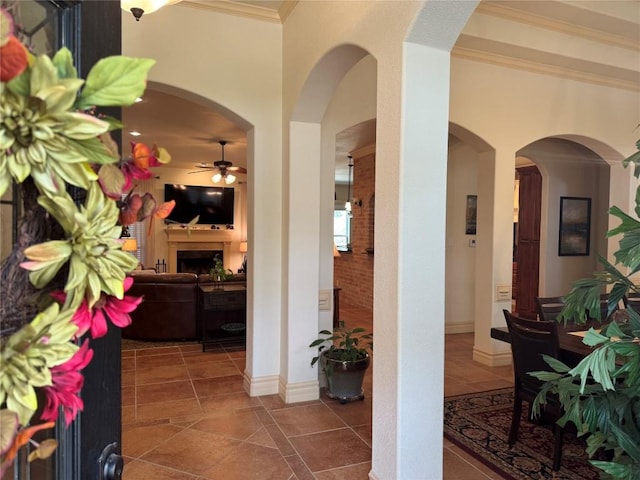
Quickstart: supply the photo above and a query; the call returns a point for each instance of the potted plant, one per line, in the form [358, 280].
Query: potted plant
[218, 273]
[601, 395]
[344, 357]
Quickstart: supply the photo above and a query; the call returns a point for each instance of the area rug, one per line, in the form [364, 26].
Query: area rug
[479, 424]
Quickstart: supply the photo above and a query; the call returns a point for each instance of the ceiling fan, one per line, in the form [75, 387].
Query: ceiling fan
[223, 167]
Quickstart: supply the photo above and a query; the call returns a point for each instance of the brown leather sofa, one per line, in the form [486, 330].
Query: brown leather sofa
[170, 307]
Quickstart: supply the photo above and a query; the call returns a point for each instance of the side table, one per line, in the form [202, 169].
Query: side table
[222, 313]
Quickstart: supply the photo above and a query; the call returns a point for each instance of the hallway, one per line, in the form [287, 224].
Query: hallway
[186, 417]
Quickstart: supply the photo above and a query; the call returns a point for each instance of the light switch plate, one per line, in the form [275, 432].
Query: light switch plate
[324, 300]
[503, 293]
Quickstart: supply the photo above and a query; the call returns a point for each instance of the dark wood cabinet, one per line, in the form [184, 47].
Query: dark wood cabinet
[222, 314]
[528, 252]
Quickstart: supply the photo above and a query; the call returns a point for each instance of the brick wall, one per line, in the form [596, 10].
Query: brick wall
[353, 272]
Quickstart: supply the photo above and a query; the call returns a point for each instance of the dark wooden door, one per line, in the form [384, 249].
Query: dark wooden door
[528, 253]
[89, 448]
[100, 422]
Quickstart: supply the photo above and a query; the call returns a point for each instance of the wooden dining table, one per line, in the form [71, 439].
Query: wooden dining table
[572, 349]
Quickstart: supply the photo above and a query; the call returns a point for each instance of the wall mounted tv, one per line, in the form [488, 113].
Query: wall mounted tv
[213, 204]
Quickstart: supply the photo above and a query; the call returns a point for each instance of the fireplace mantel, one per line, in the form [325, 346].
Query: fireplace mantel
[197, 239]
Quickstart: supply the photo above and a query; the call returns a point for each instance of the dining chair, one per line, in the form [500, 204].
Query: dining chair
[530, 339]
[632, 300]
[549, 307]
[604, 307]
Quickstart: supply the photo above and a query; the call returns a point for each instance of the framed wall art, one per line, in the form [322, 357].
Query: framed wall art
[471, 215]
[575, 226]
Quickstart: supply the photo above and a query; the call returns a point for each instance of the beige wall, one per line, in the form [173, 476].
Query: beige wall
[462, 179]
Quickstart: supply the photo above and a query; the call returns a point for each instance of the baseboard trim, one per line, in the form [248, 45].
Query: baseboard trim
[373, 476]
[256, 387]
[299, 392]
[467, 327]
[492, 359]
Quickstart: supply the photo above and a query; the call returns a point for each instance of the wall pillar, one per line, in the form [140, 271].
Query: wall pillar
[494, 257]
[408, 380]
[298, 380]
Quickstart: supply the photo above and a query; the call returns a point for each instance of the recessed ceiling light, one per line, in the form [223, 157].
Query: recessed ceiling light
[135, 133]
[138, 100]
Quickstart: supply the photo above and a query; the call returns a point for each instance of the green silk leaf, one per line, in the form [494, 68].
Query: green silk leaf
[21, 85]
[43, 74]
[115, 81]
[5, 181]
[93, 149]
[60, 98]
[53, 250]
[80, 126]
[63, 61]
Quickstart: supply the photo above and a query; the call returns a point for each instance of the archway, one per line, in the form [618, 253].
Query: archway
[568, 170]
[404, 243]
[305, 252]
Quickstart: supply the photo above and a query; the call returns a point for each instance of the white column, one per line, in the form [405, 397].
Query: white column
[494, 257]
[408, 380]
[264, 289]
[298, 380]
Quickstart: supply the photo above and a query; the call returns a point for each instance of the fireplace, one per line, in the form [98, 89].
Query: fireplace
[198, 239]
[197, 261]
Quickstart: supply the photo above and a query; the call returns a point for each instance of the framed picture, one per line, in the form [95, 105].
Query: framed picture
[471, 215]
[575, 226]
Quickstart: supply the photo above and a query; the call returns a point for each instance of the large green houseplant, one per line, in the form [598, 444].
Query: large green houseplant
[601, 395]
[344, 357]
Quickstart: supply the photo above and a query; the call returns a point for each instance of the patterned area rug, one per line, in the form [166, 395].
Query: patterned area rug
[479, 423]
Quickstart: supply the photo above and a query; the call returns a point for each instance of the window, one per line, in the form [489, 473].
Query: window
[342, 230]
[137, 231]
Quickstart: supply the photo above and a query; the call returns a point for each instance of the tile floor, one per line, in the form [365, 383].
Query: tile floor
[186, 417]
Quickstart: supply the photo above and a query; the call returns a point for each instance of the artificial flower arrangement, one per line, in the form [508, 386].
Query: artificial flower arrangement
[50, 139]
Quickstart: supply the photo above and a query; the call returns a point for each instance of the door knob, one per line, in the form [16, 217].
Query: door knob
[110, 463]
[113, 467]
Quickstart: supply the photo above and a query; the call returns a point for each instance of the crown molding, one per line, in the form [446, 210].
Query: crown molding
[519, 16]
[536, 67]
[286, 8]
[242, 9]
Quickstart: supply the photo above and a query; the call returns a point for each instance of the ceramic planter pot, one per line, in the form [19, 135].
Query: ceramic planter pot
[345, 381]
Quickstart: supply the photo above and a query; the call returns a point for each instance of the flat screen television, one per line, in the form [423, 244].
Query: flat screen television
[213, 204]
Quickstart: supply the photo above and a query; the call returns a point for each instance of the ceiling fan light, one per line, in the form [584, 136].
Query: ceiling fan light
[216, 178]
[229, 178]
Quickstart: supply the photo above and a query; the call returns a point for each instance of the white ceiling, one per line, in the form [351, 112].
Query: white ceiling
[190, 131]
